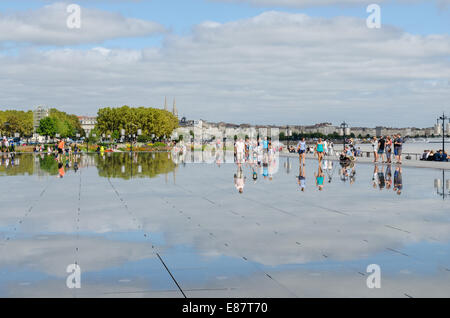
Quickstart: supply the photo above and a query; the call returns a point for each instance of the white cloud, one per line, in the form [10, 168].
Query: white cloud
[48, 26]
[315, 3]
[275, 67]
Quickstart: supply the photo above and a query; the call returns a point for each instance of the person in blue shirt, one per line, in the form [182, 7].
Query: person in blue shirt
[398, 145]
[265, 144]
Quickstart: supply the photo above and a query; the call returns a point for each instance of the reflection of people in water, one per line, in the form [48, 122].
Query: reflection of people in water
[239, 179]
[319, 178]
[61, 171]
[348, 171]
[375, 177]
[398, 182]
[301, 179]
[9, 159]
[265, 170]
[381, 180]
[75, 166]
[352, 173]
[388, 177]
[327, 166]
[254, 173]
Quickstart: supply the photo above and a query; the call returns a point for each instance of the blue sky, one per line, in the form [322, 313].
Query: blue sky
[282, 59]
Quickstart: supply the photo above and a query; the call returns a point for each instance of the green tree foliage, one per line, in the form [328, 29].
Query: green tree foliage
[48, 127]
[150, 120]
[66, 125]
[61, 123]
[16, 121]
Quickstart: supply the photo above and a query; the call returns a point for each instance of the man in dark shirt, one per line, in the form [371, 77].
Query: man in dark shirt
[398, 145]
[381, 146]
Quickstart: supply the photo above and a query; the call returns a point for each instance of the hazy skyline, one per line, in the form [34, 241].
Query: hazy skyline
[254, 61]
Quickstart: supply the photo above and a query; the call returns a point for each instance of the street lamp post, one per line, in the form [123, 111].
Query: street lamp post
[344, 127]
[16, 136]
[289, 134]
[131, 137]
[443, 118]
[87, 141]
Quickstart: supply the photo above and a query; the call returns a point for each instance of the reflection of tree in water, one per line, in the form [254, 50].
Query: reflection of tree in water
[48, 164]
[126, 166]
[23, 165]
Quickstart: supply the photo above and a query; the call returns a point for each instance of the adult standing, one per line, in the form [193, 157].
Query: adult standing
[61, 148]
[381, 146]
[398, 146]
[375, 149]
[388, 149]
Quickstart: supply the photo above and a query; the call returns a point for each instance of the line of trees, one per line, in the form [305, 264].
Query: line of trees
[22, 122]
[111, 121]
[61, 123]
[16, 121]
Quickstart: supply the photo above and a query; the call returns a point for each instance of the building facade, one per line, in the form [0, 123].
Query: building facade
[39, 113]
[87, 123]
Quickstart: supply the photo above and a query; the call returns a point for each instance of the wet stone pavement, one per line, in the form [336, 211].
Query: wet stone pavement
[149, 225]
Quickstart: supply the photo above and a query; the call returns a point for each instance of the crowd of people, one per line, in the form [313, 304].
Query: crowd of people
[430, 155]
[258, 155]
[7, 146]
[386, 147]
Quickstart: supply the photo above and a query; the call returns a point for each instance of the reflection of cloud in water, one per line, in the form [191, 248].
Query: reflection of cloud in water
[265, 235]
[52, 254]
[137, 288]
[270, 224]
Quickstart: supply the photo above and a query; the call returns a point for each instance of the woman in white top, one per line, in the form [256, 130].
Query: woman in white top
[375, 149]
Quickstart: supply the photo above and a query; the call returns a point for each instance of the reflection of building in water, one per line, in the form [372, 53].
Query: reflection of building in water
[87, 161]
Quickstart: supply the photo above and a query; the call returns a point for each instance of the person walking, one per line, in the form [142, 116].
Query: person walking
[320, 149]
[301, 150]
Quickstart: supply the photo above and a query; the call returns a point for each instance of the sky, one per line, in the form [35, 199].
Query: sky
[293, 62]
